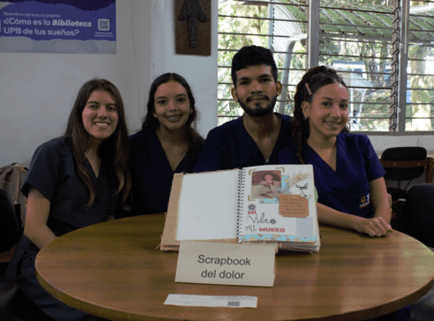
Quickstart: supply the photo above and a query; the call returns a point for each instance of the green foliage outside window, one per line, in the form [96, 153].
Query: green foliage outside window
[357, 42]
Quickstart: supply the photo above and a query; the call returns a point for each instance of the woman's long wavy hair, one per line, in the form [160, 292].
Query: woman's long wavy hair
[151, 123]
[315, 78]
[114, 148]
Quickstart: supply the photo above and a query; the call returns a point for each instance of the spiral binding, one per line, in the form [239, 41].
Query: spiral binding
[240, 202]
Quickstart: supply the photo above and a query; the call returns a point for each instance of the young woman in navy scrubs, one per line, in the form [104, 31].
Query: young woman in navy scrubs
[348, 174]
[167, 143]
[73, 181]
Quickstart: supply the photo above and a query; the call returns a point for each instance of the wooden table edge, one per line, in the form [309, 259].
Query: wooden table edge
[122, 315]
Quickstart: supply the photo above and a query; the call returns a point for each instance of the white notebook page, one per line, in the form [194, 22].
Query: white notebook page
[208, 206]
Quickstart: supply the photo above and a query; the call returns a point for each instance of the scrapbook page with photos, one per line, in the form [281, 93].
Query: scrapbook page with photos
[268, 203]
[277, 204]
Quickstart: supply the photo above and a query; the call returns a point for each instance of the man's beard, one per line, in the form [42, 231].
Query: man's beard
[258, 111]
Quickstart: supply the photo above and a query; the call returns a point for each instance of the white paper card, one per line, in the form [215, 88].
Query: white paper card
[226, 263]
[212, 301]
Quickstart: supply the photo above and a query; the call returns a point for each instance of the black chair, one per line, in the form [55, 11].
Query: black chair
[404, 164]
[14, 305]
[418, 213]
[9, 228]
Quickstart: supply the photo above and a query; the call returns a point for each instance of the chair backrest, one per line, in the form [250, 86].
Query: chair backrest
[11, 180]
[403, 154]
[418, 213]
[9, 228]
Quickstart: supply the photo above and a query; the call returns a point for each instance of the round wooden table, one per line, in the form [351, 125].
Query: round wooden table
[114, 270]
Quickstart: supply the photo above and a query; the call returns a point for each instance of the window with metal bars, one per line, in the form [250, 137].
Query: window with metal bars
[417, 114]
[381, 48]
[267, 24]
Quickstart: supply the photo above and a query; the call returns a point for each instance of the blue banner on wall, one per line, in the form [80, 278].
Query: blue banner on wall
[68, 26]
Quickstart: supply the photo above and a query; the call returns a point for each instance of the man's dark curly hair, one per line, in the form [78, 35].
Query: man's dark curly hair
[252, 56]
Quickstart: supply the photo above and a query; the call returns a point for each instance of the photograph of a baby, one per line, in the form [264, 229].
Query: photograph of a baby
[266, 184]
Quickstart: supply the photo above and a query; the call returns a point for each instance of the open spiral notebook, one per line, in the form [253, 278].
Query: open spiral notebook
[258, 204]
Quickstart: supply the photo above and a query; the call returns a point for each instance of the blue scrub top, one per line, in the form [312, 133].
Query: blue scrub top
[151, 173]
[230, 146]
[52, 172]
[346, 189]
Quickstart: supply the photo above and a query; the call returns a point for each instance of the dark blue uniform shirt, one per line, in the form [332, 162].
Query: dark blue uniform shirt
[52, 173]
[346, 189]
[230, 146]
[151, 172]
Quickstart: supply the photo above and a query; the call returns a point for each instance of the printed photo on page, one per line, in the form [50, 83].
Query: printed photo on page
[277, 203]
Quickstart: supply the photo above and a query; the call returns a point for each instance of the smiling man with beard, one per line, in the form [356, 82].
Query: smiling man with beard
[256, 137]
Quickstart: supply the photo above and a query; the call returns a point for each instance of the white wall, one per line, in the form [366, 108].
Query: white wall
[37, 90]
[381, 142]
[199, 71]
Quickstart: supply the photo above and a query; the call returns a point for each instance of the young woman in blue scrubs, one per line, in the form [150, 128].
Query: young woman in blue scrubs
[348, 175]
[73, 181]
[167, 143]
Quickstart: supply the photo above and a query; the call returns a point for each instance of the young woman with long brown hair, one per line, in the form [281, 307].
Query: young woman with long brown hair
[75, 180]
[166, 144]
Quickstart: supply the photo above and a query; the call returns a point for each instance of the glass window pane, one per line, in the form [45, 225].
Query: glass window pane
[280, 26]
[420, 68]
[360, 38]
[356, 40]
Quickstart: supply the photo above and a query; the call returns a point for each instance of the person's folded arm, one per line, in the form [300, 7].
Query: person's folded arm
[35, 227]
[376, 226]
[380, 199]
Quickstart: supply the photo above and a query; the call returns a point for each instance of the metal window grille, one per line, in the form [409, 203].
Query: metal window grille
[357, 41]
[265, 23]
[417, 114]
[371, 45]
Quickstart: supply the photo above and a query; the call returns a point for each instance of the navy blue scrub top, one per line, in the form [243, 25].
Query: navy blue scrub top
[52, 172]
[151, 173]
[346, 189]
[230, 146]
